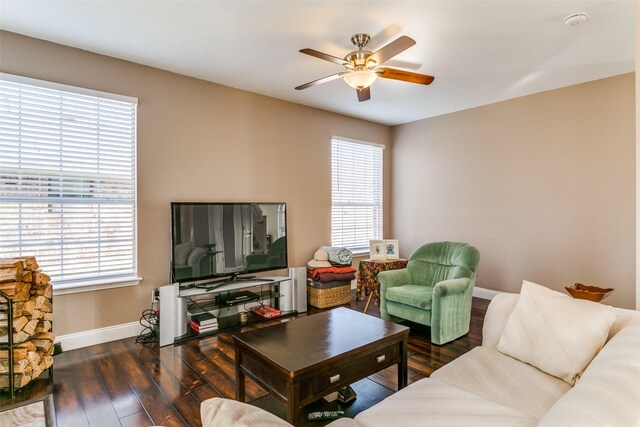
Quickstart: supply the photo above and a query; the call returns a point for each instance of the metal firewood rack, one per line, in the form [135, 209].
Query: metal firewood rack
[8, 345]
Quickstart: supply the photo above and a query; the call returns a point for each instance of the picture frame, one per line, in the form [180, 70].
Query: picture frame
[377, 250]
[392, 250]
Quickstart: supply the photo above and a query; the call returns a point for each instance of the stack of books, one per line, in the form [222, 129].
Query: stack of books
[205, 322]
[268, 312]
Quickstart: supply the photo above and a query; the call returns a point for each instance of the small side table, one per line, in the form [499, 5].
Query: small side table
[367, 283]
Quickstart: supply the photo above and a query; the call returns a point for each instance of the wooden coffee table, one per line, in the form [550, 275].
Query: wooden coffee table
[302, 360]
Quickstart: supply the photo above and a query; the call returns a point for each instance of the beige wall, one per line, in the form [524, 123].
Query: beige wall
[637, 9]
[198, 141]
[543, 186]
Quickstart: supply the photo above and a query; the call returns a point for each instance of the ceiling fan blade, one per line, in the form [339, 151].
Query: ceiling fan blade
[326, 57]
[405, 76]
[392, 49]
[364, 94]
[322, 80]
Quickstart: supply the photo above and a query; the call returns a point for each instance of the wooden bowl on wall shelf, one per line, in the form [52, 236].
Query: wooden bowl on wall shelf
[591, 293]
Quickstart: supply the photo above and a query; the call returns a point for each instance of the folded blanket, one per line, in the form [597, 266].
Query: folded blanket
[313, 272]
[332, 277]
[342, 256]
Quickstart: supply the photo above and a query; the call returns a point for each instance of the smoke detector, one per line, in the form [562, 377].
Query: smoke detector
[575, 19]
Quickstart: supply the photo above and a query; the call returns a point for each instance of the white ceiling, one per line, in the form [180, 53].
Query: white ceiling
[479, 51]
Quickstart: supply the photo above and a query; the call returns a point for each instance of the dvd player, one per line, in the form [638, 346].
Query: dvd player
[233, 298]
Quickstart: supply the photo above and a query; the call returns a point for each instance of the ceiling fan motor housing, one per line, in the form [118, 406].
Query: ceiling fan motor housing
[360, 40]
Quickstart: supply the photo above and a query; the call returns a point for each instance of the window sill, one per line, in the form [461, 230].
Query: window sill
[74, 287]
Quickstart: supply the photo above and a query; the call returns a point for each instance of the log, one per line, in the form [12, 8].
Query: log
[22, 291]
[47, 307]
[18, 354]
[27, 276]
[38, 278]
[33, 358]
[28, 345]
[18, 264]
[20, 337]
[10, 274]
[44, 336]
[48, 361]
[19, 380]
[45, 290]
[16, 288]
[19, 323]
[30, 327]
[27, 262]
[43, 345]
[37, 314]
[36, 371]
[25, 308]
[48, 316]
[43, 326]
[39, 300]
[19, 366]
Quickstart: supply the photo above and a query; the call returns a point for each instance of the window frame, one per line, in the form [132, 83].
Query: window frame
[116, 280]
[359, 249]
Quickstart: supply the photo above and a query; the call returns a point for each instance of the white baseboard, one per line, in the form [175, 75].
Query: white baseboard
[99, 336]
[485, 293]
[126, 330]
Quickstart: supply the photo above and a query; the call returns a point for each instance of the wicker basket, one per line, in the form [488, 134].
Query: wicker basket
[324, 298]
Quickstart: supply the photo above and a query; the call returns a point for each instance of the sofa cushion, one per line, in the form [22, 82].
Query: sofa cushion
[413, 295]
[487, 373]
[554, 332]
[607, 393]
[220, 412]
[438, 404]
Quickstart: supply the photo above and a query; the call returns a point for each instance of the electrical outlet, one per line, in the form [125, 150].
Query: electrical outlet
[155, 296]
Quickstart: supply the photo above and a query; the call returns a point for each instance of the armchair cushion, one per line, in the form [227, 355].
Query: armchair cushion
[413, 295]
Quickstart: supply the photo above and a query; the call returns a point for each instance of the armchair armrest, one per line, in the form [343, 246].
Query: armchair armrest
[392, 278]
[451, 287]
[388, 279]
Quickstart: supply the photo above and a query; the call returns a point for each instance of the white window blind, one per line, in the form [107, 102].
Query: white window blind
[356, 194]
[68, 180]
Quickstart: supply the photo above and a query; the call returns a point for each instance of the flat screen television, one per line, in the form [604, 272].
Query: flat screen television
[223, 240]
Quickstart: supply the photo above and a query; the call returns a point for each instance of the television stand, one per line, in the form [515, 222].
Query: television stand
[178, 303]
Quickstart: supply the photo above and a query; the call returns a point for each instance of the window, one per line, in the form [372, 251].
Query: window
[356, 194]
[68, 181]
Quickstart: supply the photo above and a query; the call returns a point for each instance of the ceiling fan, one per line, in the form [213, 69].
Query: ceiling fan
[363, 67]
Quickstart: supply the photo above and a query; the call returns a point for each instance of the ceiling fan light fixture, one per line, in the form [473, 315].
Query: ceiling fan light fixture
[360, 79]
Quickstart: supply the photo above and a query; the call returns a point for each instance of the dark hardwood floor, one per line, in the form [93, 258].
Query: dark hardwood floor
[127, 384]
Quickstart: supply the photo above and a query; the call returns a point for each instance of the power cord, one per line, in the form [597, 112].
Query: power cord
[150, 320]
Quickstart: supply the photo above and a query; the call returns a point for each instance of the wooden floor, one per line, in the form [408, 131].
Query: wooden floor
[127, 384]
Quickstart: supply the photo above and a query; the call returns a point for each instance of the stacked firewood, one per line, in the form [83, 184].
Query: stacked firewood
[29, 287]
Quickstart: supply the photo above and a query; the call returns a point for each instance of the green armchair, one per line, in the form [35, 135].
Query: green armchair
[434, 290]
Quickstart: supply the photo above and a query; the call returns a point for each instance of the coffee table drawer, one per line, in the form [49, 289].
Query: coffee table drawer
[351, 371]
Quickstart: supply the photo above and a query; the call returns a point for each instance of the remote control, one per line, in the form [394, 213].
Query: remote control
[324, 415]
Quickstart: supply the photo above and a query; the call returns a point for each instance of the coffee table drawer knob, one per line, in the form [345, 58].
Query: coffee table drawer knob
[381, 358]
[334, 379]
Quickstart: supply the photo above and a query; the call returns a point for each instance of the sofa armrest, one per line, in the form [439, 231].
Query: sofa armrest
[451, 287]
[220, 412]
[498, 313]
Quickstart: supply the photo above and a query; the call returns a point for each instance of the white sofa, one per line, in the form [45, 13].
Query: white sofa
[485, 387]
